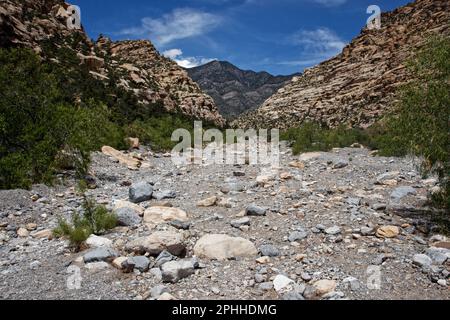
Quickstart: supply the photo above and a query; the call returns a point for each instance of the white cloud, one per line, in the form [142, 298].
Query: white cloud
[179, 24]
[330, 3]
[185, 62]
[317, 45]
[321, 41]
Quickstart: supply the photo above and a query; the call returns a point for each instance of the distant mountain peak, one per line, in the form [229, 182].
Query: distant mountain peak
[234, 90]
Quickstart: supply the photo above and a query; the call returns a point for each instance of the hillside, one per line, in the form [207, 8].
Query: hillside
[358, 86]
[135, 66]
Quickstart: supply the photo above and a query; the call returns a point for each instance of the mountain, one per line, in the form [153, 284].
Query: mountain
[358, 86]
[236, 91]
[135, 66]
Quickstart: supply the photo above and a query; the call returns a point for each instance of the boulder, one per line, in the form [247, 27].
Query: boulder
[140, 263]
[402, 192]
[128, 217]
[95, 242]
[130, 162]
[158, 215]
[223, 247]
[126, 204]
[324, 286]
[157, 242]
[174, 271]
[140, 192]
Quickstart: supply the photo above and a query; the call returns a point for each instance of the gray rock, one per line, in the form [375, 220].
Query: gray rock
[266, 286]
[259, 278]
[269, 250]
[333, 230]
[156, 272]
[438, 255]
[367, 231]
[402, 192]
[297, 235]
[233, 186]
[180, 224]
[386, 176]
[378, 260]
[442, 282]
[140, 263]
[320, 227]
[240, 222]
[164, 194]
[254, 210]
[164, 257]
[100, 254]
[354, 201]
[127, 217]
[293, 296]
[157, 291]
[174, 271]
[353, 283]
[34, 265]
[422, 260]
[306, 276]
[419, 240]
[340, 164]
[140, 192]
[379, 206]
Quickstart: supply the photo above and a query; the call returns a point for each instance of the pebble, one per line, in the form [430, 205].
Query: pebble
[269, 250]
[333, 230]
[297, 235]
[100, 254]
[240, 222]
[254, 210]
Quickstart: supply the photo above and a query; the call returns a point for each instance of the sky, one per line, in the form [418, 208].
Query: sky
[278, 36]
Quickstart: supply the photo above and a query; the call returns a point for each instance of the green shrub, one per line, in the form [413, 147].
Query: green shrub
[93, 219]
[37, 122]
[313, 137]
[157, 131]
[420, 124]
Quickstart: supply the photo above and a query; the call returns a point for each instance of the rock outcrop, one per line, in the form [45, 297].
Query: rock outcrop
[236, 91]
[135, 65]
[358, 86]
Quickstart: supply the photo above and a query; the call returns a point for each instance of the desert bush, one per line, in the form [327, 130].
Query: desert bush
[420, 123]
[93, 219]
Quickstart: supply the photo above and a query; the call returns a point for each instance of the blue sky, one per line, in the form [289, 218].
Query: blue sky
[278, 36]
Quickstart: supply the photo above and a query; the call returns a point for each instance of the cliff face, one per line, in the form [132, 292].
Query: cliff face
[358, 86]
[143, 71]
[236, 91]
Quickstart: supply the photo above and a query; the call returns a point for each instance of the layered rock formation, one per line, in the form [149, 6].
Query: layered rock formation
[359, 85]
[236, 91]
[141, 69]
